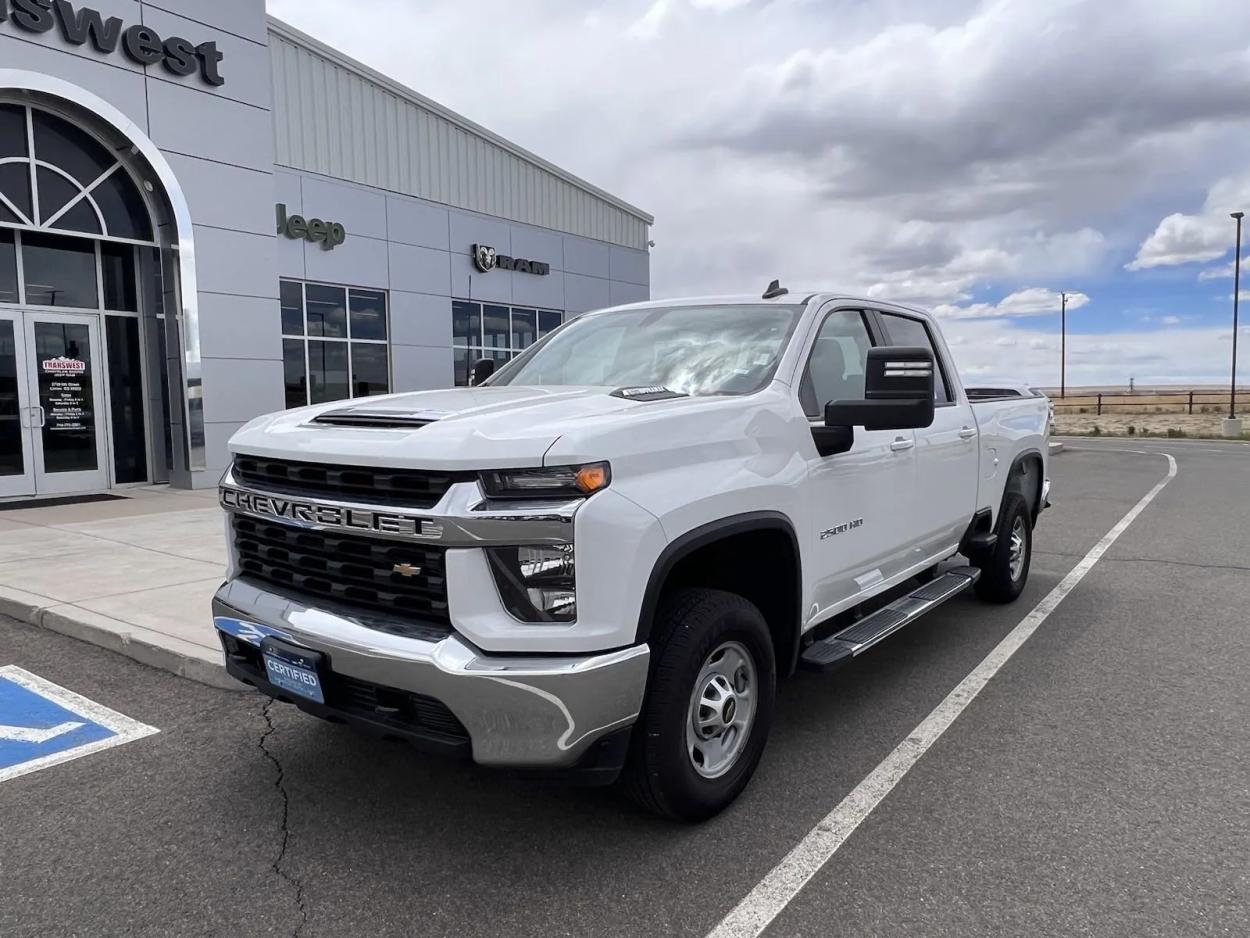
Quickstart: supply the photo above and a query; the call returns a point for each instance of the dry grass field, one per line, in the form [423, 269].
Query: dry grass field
[1147, 411]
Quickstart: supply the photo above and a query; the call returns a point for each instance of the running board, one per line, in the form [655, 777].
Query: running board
[851, 641]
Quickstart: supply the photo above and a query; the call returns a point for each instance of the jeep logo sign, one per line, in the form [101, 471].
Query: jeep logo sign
[141, 44]
[329, 234]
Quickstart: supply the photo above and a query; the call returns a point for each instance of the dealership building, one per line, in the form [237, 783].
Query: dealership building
[206, 215]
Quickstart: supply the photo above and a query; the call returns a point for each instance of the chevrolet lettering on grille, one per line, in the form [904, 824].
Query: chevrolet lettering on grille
[341, 517]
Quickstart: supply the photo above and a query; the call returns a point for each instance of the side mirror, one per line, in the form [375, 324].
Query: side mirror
[898, 392]
[483, 368]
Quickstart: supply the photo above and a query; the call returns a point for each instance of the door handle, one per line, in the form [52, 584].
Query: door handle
[902, 445]
[42, 417]
[967, 433]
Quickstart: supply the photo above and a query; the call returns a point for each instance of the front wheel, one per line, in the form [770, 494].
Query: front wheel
[1005, 570]
[709, 706]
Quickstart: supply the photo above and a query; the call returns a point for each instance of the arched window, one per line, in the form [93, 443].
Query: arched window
[57, 177]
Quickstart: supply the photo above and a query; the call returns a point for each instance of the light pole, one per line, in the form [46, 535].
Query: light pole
[1232, 392]
[1063, 344]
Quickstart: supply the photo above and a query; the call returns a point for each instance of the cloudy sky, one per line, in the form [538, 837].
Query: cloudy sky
[975, 158]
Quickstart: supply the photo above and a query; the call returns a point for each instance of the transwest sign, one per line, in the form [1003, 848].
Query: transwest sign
[139, 43]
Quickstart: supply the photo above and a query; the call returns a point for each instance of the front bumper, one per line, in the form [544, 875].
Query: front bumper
[519, 711]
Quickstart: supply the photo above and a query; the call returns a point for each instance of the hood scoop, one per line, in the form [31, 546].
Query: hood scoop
[378, 419]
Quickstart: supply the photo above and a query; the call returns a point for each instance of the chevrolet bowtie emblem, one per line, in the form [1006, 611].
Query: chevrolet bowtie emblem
[406, 569]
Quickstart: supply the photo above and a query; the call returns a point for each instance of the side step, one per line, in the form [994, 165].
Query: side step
[862, 635]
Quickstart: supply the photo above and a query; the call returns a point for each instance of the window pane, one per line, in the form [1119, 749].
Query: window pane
[547, 321]
[327, 371]
[459, 365]
[15, 184]
[466, 323]
[11, 445]
[495, 326]
[912, 332]
[81, 217]
[8, 217]
[835, 370]
[327, 311]
[368, 310]
[54, 192]
[125, 214]
[524, 326]
[130, 460]
[369, 371]
[118, 263]
[292, 292]
[8, 267]
[293, 371]
[59, 271]
[73, 150]
[67, 396]
[12, 130]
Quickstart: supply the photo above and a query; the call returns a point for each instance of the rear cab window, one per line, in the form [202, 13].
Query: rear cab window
[904, 330]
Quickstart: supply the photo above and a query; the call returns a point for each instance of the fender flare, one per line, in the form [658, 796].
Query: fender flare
[1021, 458]
[705, 534]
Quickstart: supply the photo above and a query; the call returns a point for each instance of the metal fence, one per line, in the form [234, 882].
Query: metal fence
[1144, 402]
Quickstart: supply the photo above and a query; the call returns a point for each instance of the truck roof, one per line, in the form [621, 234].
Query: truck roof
[795, 297]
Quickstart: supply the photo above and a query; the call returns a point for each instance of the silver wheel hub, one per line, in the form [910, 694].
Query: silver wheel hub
[722, 710]
[1019, 548]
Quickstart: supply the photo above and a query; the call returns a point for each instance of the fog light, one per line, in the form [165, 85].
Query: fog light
[536, 584]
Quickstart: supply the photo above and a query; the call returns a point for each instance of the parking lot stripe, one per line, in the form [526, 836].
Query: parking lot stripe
[774, 892]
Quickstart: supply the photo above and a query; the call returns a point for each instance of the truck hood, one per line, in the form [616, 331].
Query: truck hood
[454, 429]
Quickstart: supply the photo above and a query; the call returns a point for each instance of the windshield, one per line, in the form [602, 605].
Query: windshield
[688, 349]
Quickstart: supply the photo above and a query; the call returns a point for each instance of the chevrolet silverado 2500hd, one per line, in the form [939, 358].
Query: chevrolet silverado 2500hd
[601, 559]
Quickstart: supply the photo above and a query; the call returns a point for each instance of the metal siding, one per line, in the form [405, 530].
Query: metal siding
[332, 121]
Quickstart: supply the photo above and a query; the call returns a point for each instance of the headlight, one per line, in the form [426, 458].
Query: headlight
[536, 584]
[547, 482]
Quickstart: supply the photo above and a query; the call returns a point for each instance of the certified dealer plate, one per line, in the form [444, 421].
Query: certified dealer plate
[293, 669]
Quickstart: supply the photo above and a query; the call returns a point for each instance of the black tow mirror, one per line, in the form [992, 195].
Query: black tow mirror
[898, 392]
[483, 368]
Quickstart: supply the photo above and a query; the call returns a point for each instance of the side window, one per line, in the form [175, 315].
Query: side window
[835, 369]
[912, 332]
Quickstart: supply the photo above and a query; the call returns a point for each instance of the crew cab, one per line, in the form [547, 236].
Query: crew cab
[600, 560]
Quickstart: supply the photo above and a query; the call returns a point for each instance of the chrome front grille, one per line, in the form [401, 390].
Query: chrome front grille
[401, 588]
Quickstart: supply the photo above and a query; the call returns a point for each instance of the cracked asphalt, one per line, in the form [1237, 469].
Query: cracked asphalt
[1099, 785]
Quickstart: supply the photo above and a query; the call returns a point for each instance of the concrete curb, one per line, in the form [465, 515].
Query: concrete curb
[1056, 448]
[185, 659]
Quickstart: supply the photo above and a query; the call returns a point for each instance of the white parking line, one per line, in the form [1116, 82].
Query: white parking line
[773, 893]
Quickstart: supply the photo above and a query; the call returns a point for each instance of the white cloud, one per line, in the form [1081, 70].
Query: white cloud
[1190, 239]
[1032, 301]
[1174, 356]
[1217, 273]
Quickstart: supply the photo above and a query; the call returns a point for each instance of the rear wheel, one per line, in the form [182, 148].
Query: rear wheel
[709, 705]
[1005, 569]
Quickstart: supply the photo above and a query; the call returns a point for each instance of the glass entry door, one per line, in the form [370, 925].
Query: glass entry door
[57, 443]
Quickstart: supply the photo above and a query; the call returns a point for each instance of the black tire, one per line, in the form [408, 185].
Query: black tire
[690, 626]
[997, 583]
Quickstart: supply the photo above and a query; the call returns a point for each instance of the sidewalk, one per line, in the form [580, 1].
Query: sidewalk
[133, 575]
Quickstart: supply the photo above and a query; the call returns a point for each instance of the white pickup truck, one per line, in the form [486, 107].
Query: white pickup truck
[602, 559]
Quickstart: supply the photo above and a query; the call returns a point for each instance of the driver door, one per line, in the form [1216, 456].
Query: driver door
[860, 501]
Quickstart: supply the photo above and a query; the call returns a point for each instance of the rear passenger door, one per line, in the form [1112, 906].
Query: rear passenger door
[946, 452]
[860, 501]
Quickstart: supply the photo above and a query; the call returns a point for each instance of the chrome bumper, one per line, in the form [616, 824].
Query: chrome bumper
[520, 711]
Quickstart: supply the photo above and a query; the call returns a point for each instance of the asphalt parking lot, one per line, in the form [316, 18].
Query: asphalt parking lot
[1098, 785]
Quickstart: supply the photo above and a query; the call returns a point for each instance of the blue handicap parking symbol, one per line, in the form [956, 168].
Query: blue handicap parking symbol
[43, 724]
